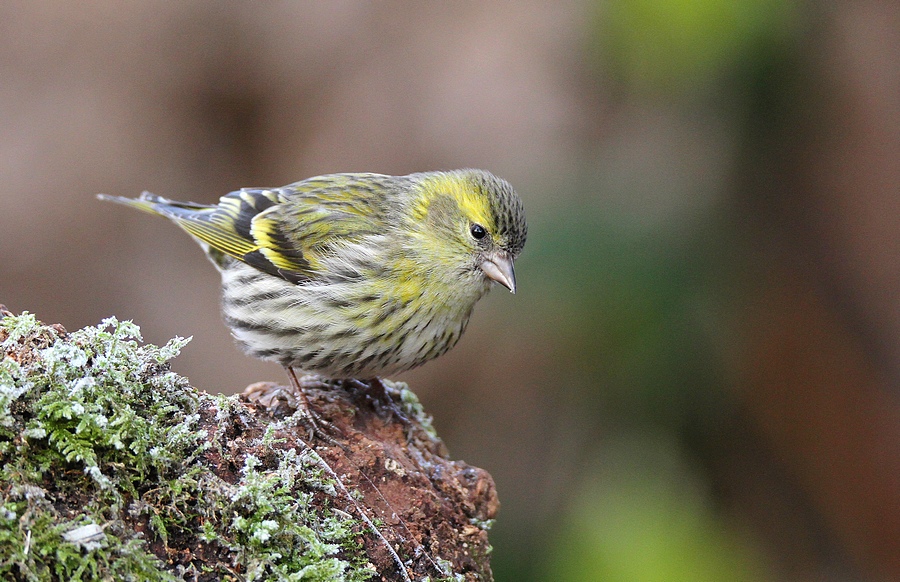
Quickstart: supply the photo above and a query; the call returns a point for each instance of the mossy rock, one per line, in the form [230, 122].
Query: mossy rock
[112, 467]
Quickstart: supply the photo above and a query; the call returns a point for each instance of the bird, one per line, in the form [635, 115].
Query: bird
[355, 276]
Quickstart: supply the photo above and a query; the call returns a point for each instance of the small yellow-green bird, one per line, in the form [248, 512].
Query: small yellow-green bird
[355, 276]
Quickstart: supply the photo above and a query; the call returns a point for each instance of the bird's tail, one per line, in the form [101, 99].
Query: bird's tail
[154, 204]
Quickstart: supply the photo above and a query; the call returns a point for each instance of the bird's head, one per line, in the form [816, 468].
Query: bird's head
[472, 223]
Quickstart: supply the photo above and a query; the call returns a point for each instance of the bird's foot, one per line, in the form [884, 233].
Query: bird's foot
[285, 401]
[318, 427]
[376, 393]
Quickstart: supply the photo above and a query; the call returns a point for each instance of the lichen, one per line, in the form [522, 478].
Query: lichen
[411, 405]
[105, 472]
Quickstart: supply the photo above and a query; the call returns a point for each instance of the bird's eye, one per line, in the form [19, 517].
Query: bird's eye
[478, 231]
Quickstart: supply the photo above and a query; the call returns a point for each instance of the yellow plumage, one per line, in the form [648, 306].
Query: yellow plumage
[355, 275]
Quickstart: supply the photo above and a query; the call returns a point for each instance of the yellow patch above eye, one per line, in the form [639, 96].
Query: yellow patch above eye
[473, 203]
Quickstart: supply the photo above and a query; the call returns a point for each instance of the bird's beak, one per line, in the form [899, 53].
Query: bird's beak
[499, 267]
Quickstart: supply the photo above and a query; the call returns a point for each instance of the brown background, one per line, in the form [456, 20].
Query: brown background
[702, 364]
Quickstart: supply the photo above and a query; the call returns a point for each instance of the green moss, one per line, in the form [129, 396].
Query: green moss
[104, 472]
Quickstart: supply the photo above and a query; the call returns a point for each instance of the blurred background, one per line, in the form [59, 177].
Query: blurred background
[698, 379]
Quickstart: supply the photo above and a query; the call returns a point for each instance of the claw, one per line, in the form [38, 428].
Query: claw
[310, 418]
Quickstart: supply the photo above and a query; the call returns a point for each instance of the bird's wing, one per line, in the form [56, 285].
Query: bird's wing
[287, 231]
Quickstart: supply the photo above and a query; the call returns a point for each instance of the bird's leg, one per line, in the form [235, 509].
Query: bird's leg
[308, 416]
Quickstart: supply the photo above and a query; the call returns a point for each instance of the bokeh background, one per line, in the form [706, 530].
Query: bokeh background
[698, 380]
